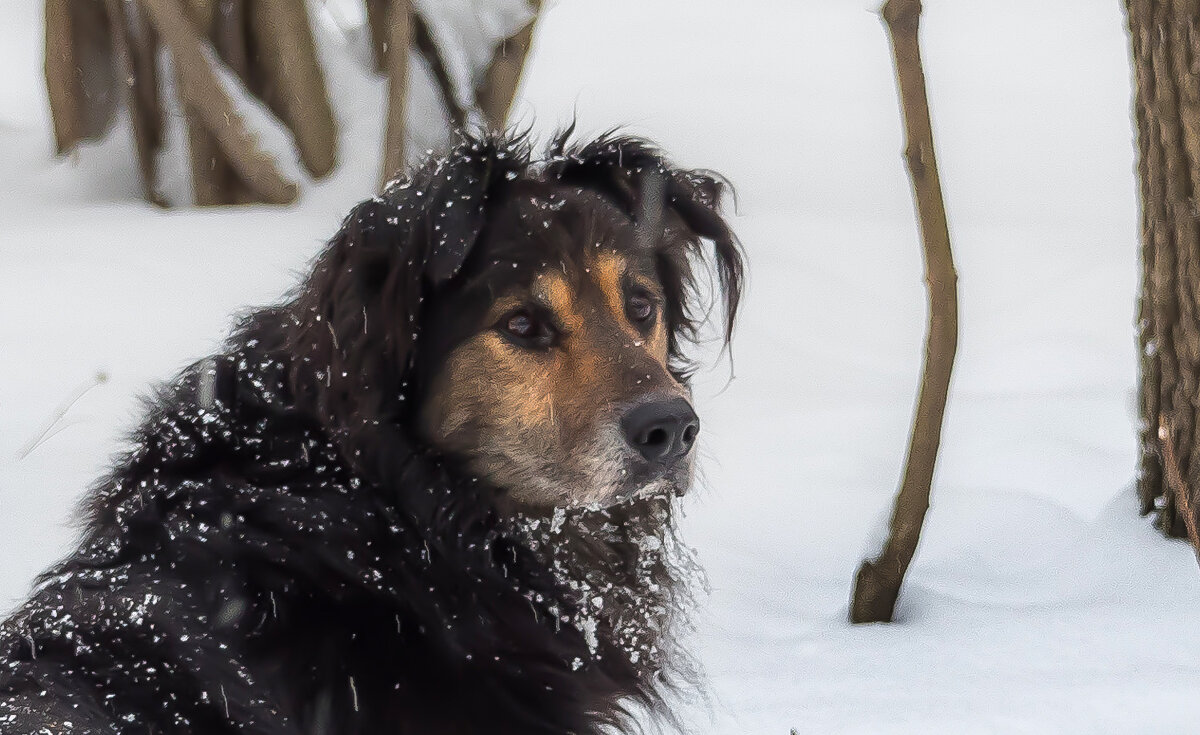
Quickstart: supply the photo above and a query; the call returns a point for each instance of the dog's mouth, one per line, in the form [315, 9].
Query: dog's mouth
[596, 471]
[633, 487]
[593, 487]
[613, 472]
[651, 487]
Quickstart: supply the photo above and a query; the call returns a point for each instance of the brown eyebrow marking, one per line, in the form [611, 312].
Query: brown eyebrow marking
[610, 271]
[552, 291]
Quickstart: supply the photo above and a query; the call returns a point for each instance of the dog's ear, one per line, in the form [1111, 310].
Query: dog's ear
[696, 196]
[455, 209]
[358, 317]
[371, 236]
[636, 176]
[434, 217]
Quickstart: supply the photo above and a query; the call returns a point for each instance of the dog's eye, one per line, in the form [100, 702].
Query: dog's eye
[527, 329]
[641, 308]
[522, 325]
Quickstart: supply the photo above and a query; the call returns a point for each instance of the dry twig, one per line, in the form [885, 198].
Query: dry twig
[877, 584]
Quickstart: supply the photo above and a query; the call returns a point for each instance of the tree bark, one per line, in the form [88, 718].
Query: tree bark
[201, 13]
[214, 180]
[1164, 36]
[377, 24]
[206, 102]
[499, 88]
[134, 47]
[79, 71]
[1177, 485]
[877, 584]
[400, 34]
[291, 81]
[62, 80]
[230, 38]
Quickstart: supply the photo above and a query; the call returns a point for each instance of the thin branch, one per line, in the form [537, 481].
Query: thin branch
[877, 584]
[49, 431]
[426, 46]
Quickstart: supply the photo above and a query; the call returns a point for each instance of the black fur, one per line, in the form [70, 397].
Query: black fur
[279, 555]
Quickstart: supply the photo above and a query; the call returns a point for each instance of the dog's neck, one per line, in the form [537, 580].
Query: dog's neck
[630, 574]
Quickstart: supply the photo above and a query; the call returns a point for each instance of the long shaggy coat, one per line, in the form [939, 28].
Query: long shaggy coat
[279, 553]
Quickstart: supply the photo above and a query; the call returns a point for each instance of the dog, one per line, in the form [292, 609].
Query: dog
[432, 492]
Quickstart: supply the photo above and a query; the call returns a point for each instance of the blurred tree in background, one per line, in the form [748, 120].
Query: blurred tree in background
[227, 57]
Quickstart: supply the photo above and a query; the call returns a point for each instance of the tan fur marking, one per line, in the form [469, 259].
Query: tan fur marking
[608, 274]
[543, 422]
[553, 291]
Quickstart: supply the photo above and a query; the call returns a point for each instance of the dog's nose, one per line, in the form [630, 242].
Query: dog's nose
[662, 430]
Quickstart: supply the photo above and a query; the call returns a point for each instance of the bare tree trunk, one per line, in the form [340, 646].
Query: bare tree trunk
[1178, 486]
[877, 584]
[206, 103]
[377, 24]
[134, 47]
[214, 181]
[400, 16]
[79, 70]
[230, 38]
[426, 45]
[1164, 36]
[62, 79]
[201, 13]
[499, 88]
[102, 51]
[291, 81]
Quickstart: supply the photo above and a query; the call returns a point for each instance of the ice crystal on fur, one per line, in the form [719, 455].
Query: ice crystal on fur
[631, 577]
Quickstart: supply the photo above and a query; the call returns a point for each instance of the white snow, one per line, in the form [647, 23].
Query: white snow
[1039, 601]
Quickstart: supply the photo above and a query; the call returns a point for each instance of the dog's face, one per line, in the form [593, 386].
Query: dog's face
[525, 316]
[559, 389]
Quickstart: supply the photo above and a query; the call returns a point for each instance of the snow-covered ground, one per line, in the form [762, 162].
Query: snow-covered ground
[1039, 601]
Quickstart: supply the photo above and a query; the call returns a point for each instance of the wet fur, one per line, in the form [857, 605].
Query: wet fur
[282, 553]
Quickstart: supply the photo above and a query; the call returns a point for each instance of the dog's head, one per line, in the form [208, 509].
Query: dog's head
[527, 316]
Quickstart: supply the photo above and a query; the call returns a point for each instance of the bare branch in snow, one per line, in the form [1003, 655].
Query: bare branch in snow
[877, 584]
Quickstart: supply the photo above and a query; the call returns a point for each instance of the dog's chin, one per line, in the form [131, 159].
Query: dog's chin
[549, 501]
[663, 487]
